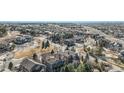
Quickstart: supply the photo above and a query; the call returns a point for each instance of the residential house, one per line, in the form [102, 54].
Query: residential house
[29, 65]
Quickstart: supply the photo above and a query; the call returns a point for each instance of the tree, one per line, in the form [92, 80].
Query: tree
[96, 60]
[47, 44]
[43, 44]
[3, 31]
[10, 66]
[33, 33]
[69, 68]
[35, 56]
[66, 69]
[87, 58]
[77, 57]
[88, 68]
[13, 46]
[73, 49]
[82, 58]
[80, 68]
[52, 52]
[70, 59]
[85, 48]
[100, 50]
[88, 49]
[67, 48]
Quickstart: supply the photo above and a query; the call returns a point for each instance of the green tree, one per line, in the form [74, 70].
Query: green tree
[71, 68]
[33, 33]
[66, 69]
[87, 57]
[10, 66]
[67, 48]
[43, 44]
[3, 31]
[13, 46]
[52, 52]
[47, 44]
[80, 68]
[35, 56]
[70, 59]
[82, 58]
[88, 68]
[100, 50]
[73, 49]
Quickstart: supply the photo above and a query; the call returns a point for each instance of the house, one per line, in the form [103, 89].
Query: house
[6, 47]
[115, 46]
[2, 66]
[121, 56]
[79, 39]
[22, 39]
[29, 65]
[69, 42]
[53, 62]
[54, 65]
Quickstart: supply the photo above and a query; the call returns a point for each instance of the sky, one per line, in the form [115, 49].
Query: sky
[61, 10]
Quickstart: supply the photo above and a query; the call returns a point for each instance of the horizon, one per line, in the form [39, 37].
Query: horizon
[61, 22]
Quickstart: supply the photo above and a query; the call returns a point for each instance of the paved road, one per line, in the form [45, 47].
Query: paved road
[95, 31]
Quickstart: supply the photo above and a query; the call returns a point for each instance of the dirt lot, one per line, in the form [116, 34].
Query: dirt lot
[29, 51]
[10, 36]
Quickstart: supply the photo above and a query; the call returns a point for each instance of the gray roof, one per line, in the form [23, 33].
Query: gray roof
[29, 64]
